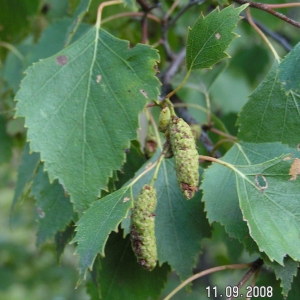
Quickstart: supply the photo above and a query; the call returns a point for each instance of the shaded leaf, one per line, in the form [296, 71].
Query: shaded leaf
[210, 36]
[6, 142]
[26, 172]
[81, 108]
[94, 227]
[294, 293]
[285, 273]
[272, 113]
[180, 225]
[270, 204]
[119, 272]
[22, 18]
[134, 160]
[62, 238]
[54, 209]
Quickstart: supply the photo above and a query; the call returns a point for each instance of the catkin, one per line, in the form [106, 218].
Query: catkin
[142, 232]
[186, 156]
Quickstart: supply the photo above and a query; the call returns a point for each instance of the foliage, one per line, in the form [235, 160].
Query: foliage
[82, 81]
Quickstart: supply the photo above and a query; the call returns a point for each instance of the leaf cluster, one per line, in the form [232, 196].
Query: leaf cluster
[77, 91]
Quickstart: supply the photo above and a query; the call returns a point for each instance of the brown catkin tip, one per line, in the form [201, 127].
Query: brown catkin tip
[186, 156]
[150, 145]
[142, 228]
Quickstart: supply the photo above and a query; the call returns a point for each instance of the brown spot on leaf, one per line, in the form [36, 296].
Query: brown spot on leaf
[295, 169]
[62, 60]
[261, 182]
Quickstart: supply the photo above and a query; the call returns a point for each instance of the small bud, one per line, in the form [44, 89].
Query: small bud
[142, 232]
[186, 156]
[164, 119]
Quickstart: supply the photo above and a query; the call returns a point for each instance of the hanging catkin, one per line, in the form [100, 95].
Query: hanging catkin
[142, 229]
[186, 156]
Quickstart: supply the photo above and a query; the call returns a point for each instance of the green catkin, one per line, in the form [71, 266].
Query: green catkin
[186, 156]
[142, 228]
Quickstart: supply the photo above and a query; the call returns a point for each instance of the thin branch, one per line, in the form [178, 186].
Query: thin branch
[130, 14]
[274, 35]
[262, 35]
[173, 69]
[206, 272]
[143, 4]
[183, 10]
[219, 132]
[283, 5]
[255, 266]
[267, 9]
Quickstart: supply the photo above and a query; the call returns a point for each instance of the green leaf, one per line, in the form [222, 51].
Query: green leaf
[272, 113]
[55, 211]
[26, 172]
[270, 204]
[222, 203]
[261, 192]
[121, 277]
[180, 225]
[285, 273]
[81, 108]
[210, 36]
[6, 142]
[96, 224]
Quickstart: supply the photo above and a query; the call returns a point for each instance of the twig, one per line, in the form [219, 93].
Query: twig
[144, 5]
[283, 5]
[203, 273]
[130, 14]
[172, 70]
[262, 35]
[255, 266]
[183, 10]
[219, 132]
[275, 36]
[267, 9]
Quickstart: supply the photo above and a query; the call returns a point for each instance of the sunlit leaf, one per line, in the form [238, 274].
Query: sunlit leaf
[81, 108]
